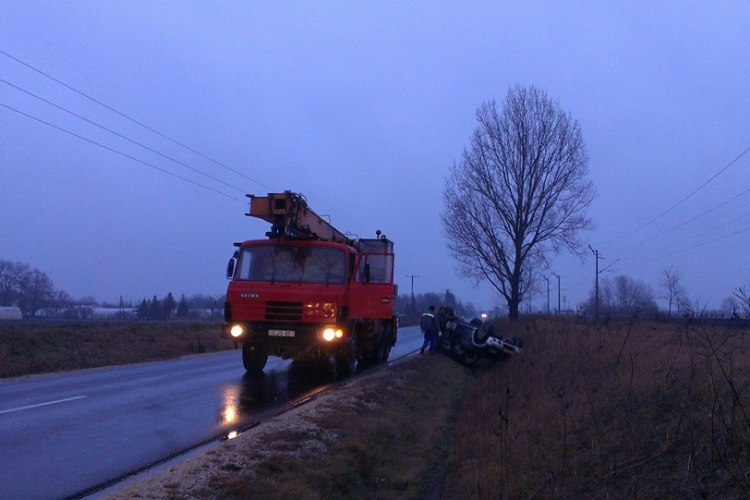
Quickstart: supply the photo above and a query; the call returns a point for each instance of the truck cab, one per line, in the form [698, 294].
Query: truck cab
[298, 296]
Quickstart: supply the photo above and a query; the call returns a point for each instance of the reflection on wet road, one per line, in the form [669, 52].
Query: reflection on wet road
[69, 433]
[254, 393]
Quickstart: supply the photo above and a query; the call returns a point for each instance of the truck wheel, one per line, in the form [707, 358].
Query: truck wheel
[346, 361]
[386, 342]
[253, 360]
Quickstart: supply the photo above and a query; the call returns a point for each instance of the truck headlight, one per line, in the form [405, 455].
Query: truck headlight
[236, 331]
[332, 333]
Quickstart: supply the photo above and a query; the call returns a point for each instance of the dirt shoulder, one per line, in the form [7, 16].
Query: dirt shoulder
[381, 436]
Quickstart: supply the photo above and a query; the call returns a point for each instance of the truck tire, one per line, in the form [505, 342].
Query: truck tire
[346, 361]
[253, 360]
[386, 342]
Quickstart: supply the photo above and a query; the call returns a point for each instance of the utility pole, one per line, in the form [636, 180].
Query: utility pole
[412, 276]
[596, 286]
[547, 280]
[558, 291]
[413, 301]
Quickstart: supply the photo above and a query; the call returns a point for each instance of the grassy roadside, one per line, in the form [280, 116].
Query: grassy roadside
[383, 436]
[613, 410]
[43, 348]
[389, 439]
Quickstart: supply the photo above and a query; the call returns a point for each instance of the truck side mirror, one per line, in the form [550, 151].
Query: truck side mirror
[230, 268]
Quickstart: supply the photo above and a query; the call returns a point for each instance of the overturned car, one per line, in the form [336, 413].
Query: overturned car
[467, 343]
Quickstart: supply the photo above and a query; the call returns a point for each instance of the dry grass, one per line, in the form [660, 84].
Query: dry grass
[386, 441]
[383, 436]
[42, 348]
[614, 410]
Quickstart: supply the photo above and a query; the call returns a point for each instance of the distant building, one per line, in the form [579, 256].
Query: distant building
[10, 313]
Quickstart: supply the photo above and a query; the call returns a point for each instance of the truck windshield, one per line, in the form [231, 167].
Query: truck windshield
[290, 263]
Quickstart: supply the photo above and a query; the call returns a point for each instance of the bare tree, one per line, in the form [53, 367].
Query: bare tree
[36, 292]
[633, 296]
[519, 192]
[624, 295]
[742, 294]
[729, 307]
[12, 275]
[673, 290]
[60, 302]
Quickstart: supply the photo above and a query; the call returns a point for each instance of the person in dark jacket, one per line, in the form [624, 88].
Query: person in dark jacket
[430, 328]
[442, 321]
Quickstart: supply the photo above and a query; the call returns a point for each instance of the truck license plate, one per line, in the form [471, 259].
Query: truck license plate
[281, 333]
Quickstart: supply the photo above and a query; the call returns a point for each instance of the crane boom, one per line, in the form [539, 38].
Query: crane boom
[290, 217]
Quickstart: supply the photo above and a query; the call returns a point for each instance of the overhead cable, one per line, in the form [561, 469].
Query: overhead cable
[682, 224]
[141, 124]
[120, 153]
[681, 201]
[120, 135]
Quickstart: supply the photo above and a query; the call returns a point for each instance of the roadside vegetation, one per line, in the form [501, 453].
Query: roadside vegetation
[622, 409]
[384, 436]
[616, 409]
[389, 440]
[27, 347]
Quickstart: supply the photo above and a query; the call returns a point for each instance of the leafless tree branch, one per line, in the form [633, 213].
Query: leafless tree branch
[519, 192]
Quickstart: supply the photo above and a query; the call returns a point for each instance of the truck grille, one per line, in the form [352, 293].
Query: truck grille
[283, 311]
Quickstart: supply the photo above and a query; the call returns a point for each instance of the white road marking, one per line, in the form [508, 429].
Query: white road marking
[41, 404]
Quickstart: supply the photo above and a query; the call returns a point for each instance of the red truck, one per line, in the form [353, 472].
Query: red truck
[308, 291]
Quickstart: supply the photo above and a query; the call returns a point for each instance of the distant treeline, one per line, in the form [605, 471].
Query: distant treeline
[410, 307]
[33, 292]
[194, 307]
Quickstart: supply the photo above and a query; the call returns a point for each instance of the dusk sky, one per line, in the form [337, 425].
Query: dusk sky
[362, 107]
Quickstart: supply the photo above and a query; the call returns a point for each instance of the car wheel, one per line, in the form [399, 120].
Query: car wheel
[469, 358]
[482, 333]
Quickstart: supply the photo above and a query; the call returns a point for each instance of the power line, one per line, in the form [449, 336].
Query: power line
[685, 240]
[682, 200]
[740, 231]
[119, 152]
[131, 119]
[581, 283]
[119, 135]
[682, 224]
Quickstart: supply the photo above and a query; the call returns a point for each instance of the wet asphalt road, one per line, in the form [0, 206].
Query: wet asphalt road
[64, 434]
